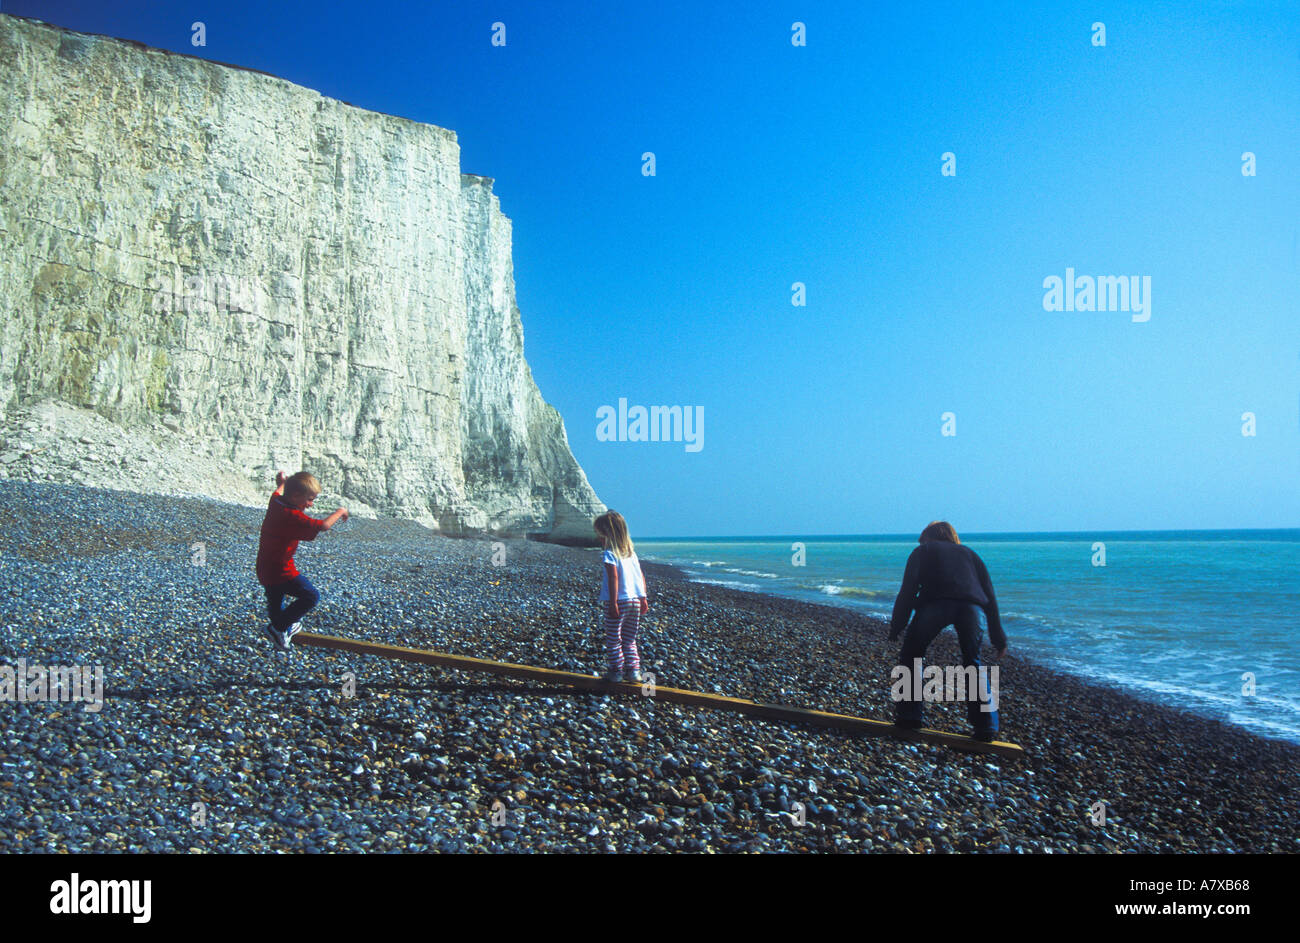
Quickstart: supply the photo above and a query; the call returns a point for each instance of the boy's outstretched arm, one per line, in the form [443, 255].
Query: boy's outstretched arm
[340, 515]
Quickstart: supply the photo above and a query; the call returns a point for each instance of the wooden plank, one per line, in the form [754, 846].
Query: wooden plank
[859, 725]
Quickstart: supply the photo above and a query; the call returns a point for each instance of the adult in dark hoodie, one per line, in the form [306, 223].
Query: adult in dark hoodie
[944, 582]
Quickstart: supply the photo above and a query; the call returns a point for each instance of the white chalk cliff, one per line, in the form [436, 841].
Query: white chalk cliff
[304, 283]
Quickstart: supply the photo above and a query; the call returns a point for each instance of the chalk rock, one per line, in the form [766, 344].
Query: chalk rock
[226, 257]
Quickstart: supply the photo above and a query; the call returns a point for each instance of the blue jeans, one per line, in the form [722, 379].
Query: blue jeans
[931, 619]
[305, 599]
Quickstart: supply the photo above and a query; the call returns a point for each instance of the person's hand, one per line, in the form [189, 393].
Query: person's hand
[998, 653]
[645, 605]
[280, 476]
[343, 514]
[611, 608]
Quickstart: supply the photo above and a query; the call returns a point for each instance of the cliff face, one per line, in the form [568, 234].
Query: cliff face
[305, 283]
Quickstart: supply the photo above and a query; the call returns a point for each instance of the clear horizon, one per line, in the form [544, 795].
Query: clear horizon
[1081, 534]
[933, 303]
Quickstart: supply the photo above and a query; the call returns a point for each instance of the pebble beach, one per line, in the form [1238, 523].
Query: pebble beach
[209, 741]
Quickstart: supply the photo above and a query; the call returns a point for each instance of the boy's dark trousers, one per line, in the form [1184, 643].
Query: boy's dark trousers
[931, 619]
[305, 599]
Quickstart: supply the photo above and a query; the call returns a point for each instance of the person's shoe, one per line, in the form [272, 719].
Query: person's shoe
[290, 632]
[986, 736]
[908, 724]
[634, 676]
[613, 677]
[277, 637]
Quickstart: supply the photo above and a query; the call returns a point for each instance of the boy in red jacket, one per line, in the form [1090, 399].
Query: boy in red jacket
[283, 527]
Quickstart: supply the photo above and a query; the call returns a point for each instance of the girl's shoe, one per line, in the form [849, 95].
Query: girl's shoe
[290, 632]
[613, 677]
[634, 676]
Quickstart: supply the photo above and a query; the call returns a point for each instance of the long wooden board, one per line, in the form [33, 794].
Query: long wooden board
[782, 712]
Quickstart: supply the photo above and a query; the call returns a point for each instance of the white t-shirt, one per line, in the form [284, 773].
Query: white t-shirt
[631, 584]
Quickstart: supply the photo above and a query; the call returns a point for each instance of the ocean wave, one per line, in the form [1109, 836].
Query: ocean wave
[834, 589]
[1058, 622]
[1194, 692]
[729, 584]
[760, 573]
[1290, 731]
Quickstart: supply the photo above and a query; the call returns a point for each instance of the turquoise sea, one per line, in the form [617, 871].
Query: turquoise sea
[1185, 618]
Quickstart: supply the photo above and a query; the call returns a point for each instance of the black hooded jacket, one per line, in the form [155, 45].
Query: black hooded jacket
[939, 569]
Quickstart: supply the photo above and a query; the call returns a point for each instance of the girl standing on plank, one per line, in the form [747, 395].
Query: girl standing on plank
[623, 597]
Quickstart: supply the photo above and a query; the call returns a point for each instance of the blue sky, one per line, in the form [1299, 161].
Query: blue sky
[821, 164]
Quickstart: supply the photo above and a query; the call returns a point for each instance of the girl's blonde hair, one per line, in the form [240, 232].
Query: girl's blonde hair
[939, 530]
[613, 533]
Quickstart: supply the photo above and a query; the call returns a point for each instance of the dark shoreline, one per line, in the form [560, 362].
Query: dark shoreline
[199, 710]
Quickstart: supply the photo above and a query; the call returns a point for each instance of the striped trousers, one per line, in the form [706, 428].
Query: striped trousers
[620, 636]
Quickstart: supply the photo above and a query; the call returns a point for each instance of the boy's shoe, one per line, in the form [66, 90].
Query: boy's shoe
[986, 736]
[290, 632]
[908, 724]
[277, 637]
[634, 676]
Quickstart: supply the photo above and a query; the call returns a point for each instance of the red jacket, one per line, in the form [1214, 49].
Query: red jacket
[282, 528]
